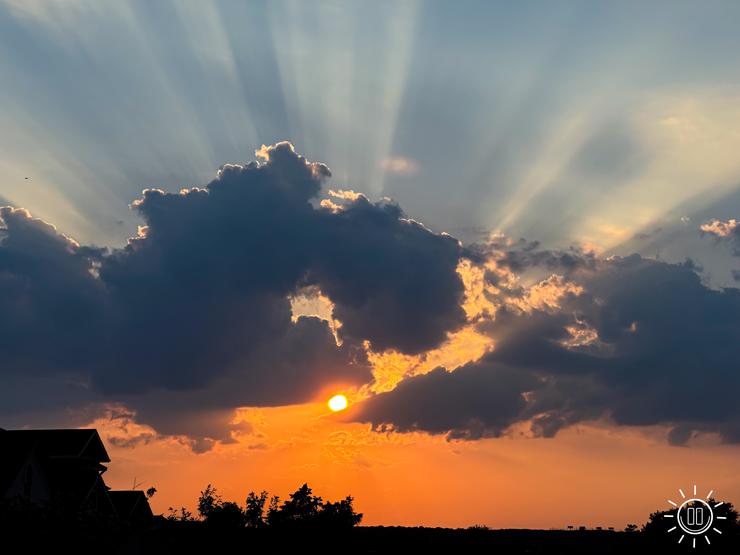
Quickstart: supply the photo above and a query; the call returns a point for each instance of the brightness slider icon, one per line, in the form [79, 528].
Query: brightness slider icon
[695, 516]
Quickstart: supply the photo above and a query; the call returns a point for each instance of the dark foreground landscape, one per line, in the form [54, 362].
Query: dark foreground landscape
[196, 537]
[53, 499]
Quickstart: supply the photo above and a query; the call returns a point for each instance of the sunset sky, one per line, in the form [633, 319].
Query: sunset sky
[507, 232]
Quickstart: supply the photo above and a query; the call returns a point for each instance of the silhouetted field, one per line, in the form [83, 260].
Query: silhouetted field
[378, 539]
[178, 537]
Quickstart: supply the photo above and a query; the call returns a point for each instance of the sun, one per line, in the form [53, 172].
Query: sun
[337, 403]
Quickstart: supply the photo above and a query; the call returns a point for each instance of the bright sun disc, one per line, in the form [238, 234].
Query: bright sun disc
[337, 403]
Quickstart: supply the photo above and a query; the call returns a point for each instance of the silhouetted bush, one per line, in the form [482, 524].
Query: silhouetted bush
[181, 514]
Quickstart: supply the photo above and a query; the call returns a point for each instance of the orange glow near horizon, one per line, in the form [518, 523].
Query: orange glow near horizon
[605, 476]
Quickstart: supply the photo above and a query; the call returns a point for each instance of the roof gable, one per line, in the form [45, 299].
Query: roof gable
[73, 443]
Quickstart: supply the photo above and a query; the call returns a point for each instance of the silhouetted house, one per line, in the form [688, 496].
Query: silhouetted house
[131, 506]
[63, 470]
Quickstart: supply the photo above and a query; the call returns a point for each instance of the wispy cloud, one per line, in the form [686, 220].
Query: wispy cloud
[400, 165]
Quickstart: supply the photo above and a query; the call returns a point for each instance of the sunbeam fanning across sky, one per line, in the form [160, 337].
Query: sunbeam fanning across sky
[449, 113]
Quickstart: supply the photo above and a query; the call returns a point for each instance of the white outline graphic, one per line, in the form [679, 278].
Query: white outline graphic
[693, 521]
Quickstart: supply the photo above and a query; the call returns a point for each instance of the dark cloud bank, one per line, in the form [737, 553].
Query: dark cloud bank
[192, 318]
[643, 343]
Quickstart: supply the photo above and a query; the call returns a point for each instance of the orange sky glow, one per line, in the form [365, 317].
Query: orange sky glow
[590, 475]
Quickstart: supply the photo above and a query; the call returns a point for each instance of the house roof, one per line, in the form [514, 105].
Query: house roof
[130, 504]
[78, 443]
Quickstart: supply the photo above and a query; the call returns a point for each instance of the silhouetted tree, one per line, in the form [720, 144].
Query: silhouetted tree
[254, 510]
[208, 499]
[217, 512]
[630, 528]
[304, 509]
[339, 514]
[226, 514]
[273, 511]
[301, 508]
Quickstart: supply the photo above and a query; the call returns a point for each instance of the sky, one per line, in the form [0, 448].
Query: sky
[507, 232]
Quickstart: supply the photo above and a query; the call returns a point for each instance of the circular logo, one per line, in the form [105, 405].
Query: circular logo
[695, 516]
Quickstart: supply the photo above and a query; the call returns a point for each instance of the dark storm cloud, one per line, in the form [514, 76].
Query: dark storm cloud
[192, 317]
[522, 255]
[644, 343]
[477, 400]
[50, 302]
[394, 311]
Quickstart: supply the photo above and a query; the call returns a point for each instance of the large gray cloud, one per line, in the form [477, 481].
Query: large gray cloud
[477, 400]
[644, 342]
[195, 310]
[392, 310]
[50, 303]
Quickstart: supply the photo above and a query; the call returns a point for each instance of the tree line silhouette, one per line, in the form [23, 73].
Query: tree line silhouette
[262, 521]
[302, 509]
